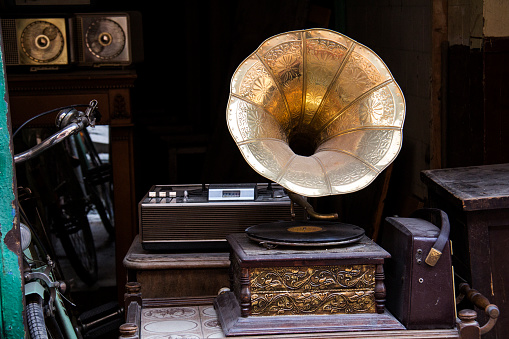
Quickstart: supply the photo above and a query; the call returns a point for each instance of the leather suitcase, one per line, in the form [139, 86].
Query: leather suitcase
[419, 275]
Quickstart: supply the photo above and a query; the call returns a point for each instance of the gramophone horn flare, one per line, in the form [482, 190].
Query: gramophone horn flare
[316, 112]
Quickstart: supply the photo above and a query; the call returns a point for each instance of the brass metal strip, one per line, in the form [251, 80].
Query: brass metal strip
[327, 180]
[278, 86]
[363, 128]
[250, 141]
[258, 106]
[359, 98]
[304, 79]
[334, 79]
[353, 156]
[285, 168]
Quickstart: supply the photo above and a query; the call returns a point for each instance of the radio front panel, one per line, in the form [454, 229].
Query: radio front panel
[81, 40]
[182, 216]
[35, 41]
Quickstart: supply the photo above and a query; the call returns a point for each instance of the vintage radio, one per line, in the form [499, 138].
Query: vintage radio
[36, 42]
[419, 276]
[82, 40]
[106, 39]
[180, 217]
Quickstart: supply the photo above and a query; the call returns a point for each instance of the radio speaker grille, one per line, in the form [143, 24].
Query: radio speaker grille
[10, 44]
[103, 39]
[209, 222]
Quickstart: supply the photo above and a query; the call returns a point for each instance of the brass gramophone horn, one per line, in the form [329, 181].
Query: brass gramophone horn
[316, 112]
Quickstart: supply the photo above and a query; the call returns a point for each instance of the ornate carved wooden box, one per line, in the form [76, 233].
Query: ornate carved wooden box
[292, 290]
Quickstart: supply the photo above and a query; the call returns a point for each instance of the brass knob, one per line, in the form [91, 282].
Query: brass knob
[133, 287]
[467, 315]
[127, 330]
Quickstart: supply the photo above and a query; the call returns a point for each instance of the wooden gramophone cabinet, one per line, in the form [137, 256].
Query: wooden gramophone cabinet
[296, 290]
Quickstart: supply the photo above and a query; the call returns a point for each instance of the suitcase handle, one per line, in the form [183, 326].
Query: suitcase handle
[438, 218]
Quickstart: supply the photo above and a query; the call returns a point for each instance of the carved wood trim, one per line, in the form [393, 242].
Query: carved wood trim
[380, 291]
[120, 107]
[71, 81]
[245, 293]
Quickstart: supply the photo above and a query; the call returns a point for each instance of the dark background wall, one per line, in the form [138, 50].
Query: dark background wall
[190, 56]
[191, 50]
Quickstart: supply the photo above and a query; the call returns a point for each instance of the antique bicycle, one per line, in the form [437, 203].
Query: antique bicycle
[69, 181]
[48, 308]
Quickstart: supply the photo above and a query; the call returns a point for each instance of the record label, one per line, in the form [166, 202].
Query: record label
[305, 229]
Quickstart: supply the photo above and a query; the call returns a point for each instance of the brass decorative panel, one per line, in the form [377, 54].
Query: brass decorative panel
[312, 278]
[347, 289]
[339, 302]
[327, 91]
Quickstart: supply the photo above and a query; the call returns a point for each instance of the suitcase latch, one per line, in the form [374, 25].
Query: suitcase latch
[433, 257]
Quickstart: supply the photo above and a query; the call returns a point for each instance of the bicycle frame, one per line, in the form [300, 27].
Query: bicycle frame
[63, 202]
[40, 281]
[71, 122]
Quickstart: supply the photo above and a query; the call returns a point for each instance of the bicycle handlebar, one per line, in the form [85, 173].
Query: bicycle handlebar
[70, 121]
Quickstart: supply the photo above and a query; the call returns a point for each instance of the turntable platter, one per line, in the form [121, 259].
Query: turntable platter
[305, 233]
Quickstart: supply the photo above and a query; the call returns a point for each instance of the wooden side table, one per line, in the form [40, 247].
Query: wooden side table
[165, 275]
[142, 312]
[476, 200]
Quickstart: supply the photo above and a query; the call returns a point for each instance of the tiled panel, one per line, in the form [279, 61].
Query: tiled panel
[180, 322]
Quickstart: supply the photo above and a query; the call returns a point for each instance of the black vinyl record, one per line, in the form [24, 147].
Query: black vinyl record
[305, 233]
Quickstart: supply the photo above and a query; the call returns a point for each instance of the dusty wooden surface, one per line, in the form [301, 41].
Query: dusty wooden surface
[252, 253]
[472, 188]
[176, 274]
[139, 259]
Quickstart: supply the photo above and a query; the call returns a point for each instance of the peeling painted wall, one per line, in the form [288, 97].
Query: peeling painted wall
[471, 20]
[495, 14]
[11, 295]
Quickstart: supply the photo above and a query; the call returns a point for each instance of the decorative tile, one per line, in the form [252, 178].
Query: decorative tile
[180, 322]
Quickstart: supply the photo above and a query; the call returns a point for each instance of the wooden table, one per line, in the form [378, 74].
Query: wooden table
[476, 200]
[177, 274]
[144, 304]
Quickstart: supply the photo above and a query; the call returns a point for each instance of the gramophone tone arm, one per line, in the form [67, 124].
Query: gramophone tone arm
[301, 201]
